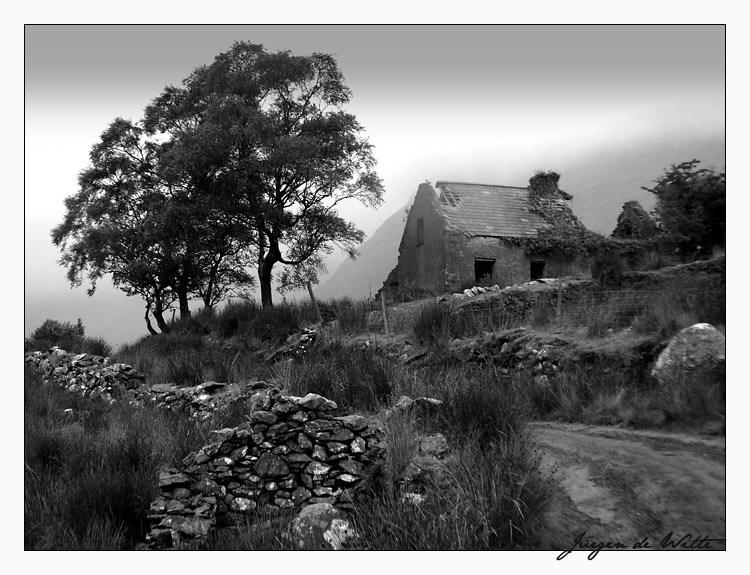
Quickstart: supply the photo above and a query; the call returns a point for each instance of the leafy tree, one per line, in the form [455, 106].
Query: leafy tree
[53, 330]
[265, 136]
[691, 207]
[131, 221]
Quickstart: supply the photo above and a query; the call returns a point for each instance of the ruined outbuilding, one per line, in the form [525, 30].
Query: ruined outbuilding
[459, 235]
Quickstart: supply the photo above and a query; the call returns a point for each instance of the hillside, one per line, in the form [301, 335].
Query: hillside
[201, 439]
[378, 255]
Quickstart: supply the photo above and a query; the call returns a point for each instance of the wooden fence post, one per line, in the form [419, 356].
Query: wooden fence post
[385, 313]
[560, 283]
[315, 303]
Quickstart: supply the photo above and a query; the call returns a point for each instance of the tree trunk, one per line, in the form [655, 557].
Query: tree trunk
[160, 321]
[264, 275]
[208, 294]
[266, 261]
[150, 328]
[158, 311]
[182, 295]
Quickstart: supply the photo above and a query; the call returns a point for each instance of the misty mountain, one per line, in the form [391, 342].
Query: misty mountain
[365, 275]
[600, 184]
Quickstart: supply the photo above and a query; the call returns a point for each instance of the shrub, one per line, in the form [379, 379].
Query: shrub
[493, 317]
[66, 336]
[489, 494]
[54, 333]
[432, 324]
[53, 330]
[401, 447]
[199, 322]
[234, 317]
[685, 400]
[653, 259]
[488, 502]
[608, 268]
[272, 324]
[190, 359]
[480, 405]
[591, 392]
[352, 315]
[96, 346]
[672, 309]
[542, 313]
[353, 378]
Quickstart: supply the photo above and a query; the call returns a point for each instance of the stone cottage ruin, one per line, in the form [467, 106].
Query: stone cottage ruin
[459, 235]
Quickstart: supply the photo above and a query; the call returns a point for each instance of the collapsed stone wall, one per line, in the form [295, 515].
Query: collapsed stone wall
[97, 376]
[292, 452]
[90, 375]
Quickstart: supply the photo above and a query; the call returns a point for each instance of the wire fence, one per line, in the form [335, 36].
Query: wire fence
[610, 308]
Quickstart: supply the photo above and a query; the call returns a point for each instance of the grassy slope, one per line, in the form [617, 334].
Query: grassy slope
[90, 472]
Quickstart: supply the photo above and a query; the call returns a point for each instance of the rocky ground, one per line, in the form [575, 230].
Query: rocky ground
[623, 486]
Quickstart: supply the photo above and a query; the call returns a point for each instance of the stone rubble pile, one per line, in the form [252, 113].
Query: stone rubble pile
[200, 400]
[96, 376]
[293, 452]
[476, 290]
[513, 350]
[417, 407]
[296, 345]
[90, 375]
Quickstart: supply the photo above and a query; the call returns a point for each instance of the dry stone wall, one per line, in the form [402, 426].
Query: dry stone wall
[90, 375]
[293, 452]
[97, 376]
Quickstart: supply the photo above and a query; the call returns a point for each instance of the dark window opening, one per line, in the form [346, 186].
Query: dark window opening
[420, 231]
[483, 269]
[537, 270]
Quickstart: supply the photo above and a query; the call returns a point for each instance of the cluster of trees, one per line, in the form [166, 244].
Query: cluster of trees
[243, 165]
[690, 211]
[689, 217]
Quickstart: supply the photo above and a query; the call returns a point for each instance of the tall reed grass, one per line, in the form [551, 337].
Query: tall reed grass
[489, 493]
[90, 468]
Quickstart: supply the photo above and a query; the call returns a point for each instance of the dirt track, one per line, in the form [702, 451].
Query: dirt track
[621, 486]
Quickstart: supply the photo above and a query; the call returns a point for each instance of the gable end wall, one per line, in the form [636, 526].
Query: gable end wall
[422, 266]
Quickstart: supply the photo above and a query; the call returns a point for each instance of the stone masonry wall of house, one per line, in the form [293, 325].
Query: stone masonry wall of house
[292, 451]
[421, 262]
[435, 258]
[512, 264]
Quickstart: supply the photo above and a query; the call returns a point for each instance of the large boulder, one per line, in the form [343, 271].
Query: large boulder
[321, 526]
[695, 355]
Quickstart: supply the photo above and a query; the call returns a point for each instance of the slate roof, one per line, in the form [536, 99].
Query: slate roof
[485, 210]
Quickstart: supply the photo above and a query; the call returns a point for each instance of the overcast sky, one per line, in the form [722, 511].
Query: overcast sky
[478, 103]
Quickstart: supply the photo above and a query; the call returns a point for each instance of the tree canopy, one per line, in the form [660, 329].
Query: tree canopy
[246, 161]
[691, 207]
[266, 134]
[152, 238]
